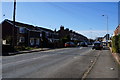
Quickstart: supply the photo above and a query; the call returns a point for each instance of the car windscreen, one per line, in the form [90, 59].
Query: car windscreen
[67, 43]
[97, 44]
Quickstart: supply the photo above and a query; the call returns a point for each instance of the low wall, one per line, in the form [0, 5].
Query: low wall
[6, 49]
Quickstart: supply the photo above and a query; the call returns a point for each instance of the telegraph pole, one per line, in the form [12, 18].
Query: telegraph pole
[13, 43]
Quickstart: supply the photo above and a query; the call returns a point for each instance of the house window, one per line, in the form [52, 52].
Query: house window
[22, 39]
[37, 41]
[40, 34]
[4, 41]
[50, 40]
[21, 30]
[32, 41]
[47, 34]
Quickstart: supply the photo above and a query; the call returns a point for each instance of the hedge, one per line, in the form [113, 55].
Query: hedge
[116, 44]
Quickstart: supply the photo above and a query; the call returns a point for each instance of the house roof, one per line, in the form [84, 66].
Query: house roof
[45, 29]
[30, 27]
[118, 26]
[71, 31]
[20, 24]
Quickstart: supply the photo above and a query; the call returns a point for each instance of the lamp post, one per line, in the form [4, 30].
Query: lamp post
[107, 22]
[107, 35]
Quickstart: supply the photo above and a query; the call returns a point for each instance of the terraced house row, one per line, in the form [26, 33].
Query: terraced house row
[35, 36]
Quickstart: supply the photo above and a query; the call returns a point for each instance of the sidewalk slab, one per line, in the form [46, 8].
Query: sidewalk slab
[116, 56]
[105, 67]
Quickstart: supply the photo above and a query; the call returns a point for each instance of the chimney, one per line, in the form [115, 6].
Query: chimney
[61, 27]
[67, 29]
[71, 31]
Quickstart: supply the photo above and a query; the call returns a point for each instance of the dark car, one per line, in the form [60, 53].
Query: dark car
[70, 44]
[89, 43]
[97, 46]
[83, 44]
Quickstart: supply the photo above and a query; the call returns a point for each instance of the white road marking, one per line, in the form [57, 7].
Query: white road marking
[75, 57]
[55, 50]
[81, 47]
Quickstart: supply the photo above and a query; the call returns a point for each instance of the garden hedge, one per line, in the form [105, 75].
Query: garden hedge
[116, 44]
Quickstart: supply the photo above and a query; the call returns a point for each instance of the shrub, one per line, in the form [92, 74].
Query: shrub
[115, 47]
[20, 48]
[119, 42]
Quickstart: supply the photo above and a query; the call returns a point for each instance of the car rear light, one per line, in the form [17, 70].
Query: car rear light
[67, 45]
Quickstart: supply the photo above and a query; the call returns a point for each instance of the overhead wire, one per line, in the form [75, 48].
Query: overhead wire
[72, 13]
[69, 12]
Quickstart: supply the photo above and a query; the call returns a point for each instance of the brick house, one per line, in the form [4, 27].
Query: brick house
[72, 35]
[63, 32]
[77, 37]
[26, 35]
[117, 30]
[34, 36]
[50, 37]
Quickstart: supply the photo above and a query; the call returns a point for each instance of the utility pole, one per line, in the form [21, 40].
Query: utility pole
[13, 43]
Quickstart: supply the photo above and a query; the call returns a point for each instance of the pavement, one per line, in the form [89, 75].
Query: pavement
[116, 56]
[61, 63]
[105, 67]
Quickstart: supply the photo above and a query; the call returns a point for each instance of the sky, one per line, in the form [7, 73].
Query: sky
[83, 17]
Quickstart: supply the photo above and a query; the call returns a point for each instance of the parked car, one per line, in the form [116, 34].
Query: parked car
[97, 46]
[70, 44]
[89, 43]
[78, 44]
[83, 44]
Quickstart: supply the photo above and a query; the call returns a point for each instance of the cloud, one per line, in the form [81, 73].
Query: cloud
[94, 33]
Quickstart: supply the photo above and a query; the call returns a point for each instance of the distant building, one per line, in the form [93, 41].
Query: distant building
[99, 39]
[106, 38]
[78, 37]
[63, 32]
[71, 34]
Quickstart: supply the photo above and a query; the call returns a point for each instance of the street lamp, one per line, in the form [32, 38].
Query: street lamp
[107, 35]
[107, 21]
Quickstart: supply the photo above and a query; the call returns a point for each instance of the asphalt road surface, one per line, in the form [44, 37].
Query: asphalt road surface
[57, 63]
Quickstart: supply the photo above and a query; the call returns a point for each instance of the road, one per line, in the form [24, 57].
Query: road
[57, 63]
